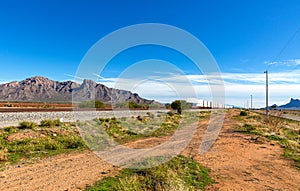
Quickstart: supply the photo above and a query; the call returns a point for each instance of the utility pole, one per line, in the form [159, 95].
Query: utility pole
[251, 101]
[267, 94]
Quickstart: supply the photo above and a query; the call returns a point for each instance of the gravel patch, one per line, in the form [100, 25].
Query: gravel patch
[14, 118]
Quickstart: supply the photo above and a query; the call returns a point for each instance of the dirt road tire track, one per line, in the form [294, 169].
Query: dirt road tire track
[65, 172]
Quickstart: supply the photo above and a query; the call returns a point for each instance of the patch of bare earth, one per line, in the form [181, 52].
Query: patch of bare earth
[65, 172]
[245, 162]
[24, 135]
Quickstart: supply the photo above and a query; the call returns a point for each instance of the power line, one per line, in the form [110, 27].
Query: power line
[275, 59]
[286, 45]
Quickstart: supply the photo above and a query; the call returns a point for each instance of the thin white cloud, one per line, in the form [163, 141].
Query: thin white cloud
[76, 78]
[238, 87]
[288, 63]
[3, 82]
[100, 77]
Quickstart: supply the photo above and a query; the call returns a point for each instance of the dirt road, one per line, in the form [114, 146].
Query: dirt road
[65, 172]
[245, 162]
[238, 162]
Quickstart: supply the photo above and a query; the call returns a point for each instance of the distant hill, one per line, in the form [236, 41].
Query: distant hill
[41, 89]
[293, 104]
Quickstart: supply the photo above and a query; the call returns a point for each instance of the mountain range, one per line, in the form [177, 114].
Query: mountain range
[293, 104]
[42, 89]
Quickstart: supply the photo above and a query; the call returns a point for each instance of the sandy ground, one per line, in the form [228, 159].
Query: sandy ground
[245, 162]
[65, 172]
[238, 162]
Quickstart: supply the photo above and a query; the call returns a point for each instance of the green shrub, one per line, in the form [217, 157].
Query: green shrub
[10, 129]
[8, 105]
[27, 125]
[243, 113]
[168, 106]
[170, 113]
[130, 105]
[180, 173]
[134, 105]
[50, 123]
[71, 142]
[92, 104]
[249, 127]
[33, 147]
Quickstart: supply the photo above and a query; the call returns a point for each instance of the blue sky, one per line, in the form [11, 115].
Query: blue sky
[50, 38]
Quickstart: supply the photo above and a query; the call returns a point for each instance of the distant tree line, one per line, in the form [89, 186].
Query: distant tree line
[92, 104]
[178, 105]
[131, 105]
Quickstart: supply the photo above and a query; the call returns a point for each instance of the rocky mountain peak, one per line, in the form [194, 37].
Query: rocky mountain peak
[39, 88]
[293, 104]
[89, 83]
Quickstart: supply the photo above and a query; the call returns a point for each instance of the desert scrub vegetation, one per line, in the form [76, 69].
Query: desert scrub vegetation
[130, 105]
[30, 141]
[180, 173]
[285, 131]
[124, 130]
[50, 123]
[27, 125]
[243, 113]
[8, 105]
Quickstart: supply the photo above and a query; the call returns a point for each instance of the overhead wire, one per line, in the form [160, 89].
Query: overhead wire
[293, 36]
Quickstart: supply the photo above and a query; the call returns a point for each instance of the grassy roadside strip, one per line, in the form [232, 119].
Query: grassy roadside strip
[285, 131]
[180, 173]
[126, 130]
[30, 141]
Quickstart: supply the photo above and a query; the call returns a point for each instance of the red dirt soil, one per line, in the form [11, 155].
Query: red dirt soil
[245, 162]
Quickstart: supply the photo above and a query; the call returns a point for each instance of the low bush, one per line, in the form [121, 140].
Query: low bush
[243, 113]
[8, 105]
[27, 125]
[180, 173]
[39, 147]
[50, 123]
[248, 127]
[170, 113]
[10, 129]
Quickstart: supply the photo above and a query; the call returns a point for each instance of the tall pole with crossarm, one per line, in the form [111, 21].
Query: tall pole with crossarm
[267, 93]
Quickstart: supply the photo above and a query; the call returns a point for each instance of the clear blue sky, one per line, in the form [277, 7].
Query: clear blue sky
[50, 37]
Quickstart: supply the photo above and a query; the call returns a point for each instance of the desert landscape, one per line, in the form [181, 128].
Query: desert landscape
[149, 95]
